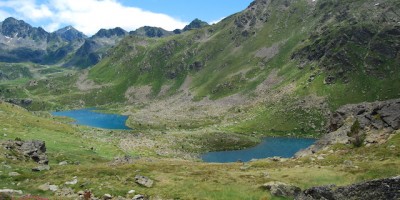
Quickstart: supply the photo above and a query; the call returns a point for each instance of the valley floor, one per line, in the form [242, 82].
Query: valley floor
[90, 156]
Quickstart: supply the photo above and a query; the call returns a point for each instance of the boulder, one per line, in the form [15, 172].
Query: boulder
[14, 174]
[41, 168]
[144, 181]
[131, 191]
[63, 163]
[35, 150]
[53, 188]
[107, 197]
[47, 187]
[73, 182]
[322, 192]
[10, 191]
[138, 197]
[281, 189]
[380, 189]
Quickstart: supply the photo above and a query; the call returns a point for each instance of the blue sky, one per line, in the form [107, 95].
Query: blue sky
[187, 10]
[89, 16]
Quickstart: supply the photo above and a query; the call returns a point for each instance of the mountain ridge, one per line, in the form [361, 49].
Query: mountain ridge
[67, 46]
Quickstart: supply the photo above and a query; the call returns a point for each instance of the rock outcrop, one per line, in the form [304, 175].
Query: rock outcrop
[35, 150]
[20, 102]
[375, 116]
[383, 189]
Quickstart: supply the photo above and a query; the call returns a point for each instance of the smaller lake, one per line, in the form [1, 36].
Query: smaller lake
[89, 117]
[269, 147]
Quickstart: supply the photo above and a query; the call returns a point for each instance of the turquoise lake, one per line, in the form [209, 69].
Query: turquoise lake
[269, 147]
[89, 117]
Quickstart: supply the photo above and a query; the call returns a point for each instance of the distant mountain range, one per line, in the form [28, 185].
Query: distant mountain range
[20, 42]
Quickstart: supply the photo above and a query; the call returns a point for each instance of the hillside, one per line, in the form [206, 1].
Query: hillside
[276, 66]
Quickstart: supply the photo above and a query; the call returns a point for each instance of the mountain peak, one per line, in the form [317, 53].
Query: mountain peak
[107, 33]
[149, 31]
[13, 20]
[12, 27]
[195, 24]
[69, 33]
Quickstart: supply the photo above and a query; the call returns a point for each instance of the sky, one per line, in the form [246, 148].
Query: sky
[89, 16]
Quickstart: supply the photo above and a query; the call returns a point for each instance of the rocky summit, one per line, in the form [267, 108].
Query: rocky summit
[290, 70]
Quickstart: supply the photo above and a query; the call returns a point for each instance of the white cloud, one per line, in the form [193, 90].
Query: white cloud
[3, 15]
[89, 16]
[28, 9]
[52, 26]
[216, 21]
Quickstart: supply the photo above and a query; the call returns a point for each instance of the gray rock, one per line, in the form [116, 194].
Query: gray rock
[53, 188]
[7, 166]
[144, 181]
[73, 182]
[44, 187]
[323, 192]
[390, 114]
[107, 197]
[14, 174]
[47, 187]
[11, 191]
[122, 160]
[41, 168]
[138, 197]
[382, 189]
[131, 192]
[376, 115]
[348, 163]
[66, 192]
[63, 163]
[35, 150]
[281, 189]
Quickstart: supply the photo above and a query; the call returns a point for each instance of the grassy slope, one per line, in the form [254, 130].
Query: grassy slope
[60, 138]
[221, 61]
